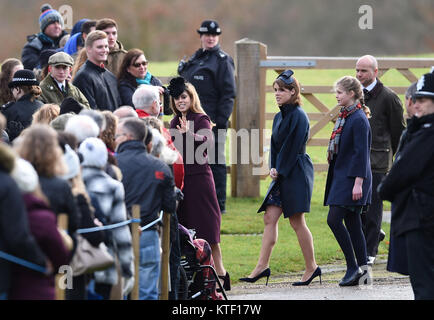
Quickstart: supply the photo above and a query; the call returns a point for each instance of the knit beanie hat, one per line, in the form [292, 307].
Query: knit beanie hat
[72, 162]
[94, 153]
[49, 16]
[25, 176]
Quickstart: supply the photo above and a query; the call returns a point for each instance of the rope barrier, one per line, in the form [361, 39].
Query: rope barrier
[153, 222]
[41, 269]
[107, 227]
[22, 262]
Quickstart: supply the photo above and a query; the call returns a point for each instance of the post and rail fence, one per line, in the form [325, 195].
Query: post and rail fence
[252, 63]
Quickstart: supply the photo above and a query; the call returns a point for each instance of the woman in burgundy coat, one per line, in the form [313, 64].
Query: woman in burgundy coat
[28, 284]
[191, 131]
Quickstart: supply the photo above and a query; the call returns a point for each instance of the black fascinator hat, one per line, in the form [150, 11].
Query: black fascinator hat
[176, 86]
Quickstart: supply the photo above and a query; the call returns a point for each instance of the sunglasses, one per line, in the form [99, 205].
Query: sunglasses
[138, 64]
[286, 76]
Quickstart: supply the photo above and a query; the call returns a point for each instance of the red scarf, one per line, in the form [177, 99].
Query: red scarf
[333, 147]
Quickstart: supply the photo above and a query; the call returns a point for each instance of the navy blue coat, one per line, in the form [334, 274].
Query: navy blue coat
[147, 180]
[287, 154]
[351, 161]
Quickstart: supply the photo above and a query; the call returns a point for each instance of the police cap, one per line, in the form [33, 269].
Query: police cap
[209, 27]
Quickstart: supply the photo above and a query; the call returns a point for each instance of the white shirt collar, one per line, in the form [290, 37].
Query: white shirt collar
[371, 86]
[60, 84]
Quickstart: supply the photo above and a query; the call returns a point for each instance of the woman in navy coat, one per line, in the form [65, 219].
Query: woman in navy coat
[290, 192]
[348, 186]
[191, 130]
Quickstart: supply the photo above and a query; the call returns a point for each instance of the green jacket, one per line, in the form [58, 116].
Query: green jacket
[52, 94]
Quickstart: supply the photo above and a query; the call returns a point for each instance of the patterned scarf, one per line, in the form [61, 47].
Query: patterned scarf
[344, 113]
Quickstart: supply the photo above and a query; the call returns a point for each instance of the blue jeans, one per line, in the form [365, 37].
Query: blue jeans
[149, 270]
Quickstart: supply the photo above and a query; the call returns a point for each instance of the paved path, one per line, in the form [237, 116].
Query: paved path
[386, 286]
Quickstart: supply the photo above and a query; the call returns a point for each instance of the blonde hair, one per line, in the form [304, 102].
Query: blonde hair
[349, 83]
[46, 113]
[94, 36]
[79, 61]
[40, 147]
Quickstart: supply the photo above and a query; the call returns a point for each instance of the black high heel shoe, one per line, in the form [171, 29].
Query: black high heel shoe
[226, 282]
[315, 274]
[265, 273]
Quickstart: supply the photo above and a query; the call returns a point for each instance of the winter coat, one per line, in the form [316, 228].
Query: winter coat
[199, 209]
[387, 123]
[410, 183]
[99, 86]
[115, 57]
[211, 72]
[29, 284]
[110, 196]
[351, 161]
[61, 200]
[37, 43]
[15, 236]
[19, 115]
[288, 155]
[148, 181]
[128, 86]
[51, 93]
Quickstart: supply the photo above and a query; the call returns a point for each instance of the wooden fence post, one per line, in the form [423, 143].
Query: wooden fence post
[62, 224]
[249, 114]
[136, 248]
[165, 257]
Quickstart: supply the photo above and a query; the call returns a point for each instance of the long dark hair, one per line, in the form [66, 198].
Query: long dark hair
[129, 59]
[5, 77]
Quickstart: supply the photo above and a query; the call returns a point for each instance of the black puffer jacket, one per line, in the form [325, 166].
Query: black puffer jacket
[36, 43]
[15, 236]
[19, 115]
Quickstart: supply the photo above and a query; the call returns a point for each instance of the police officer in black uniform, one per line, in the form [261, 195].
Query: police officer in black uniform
[211, 71]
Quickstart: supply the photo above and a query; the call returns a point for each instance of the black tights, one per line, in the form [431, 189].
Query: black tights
[349, 236]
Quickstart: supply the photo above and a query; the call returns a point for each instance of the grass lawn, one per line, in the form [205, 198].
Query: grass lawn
[241, 230]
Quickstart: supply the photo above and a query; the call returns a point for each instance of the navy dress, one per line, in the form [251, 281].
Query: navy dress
[294, 185]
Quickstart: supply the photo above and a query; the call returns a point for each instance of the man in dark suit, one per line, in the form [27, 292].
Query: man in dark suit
[387, 124]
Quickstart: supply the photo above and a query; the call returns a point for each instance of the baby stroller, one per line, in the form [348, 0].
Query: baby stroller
[198, 278]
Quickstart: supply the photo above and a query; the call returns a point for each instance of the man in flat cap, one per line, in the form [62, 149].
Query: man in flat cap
[211, 71]
[55, 87]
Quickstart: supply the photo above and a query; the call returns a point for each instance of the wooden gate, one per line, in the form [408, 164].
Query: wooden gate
[250, 112]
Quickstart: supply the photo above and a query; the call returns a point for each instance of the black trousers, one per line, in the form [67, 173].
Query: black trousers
[371, 220]
[420, 254]
[218, 166]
